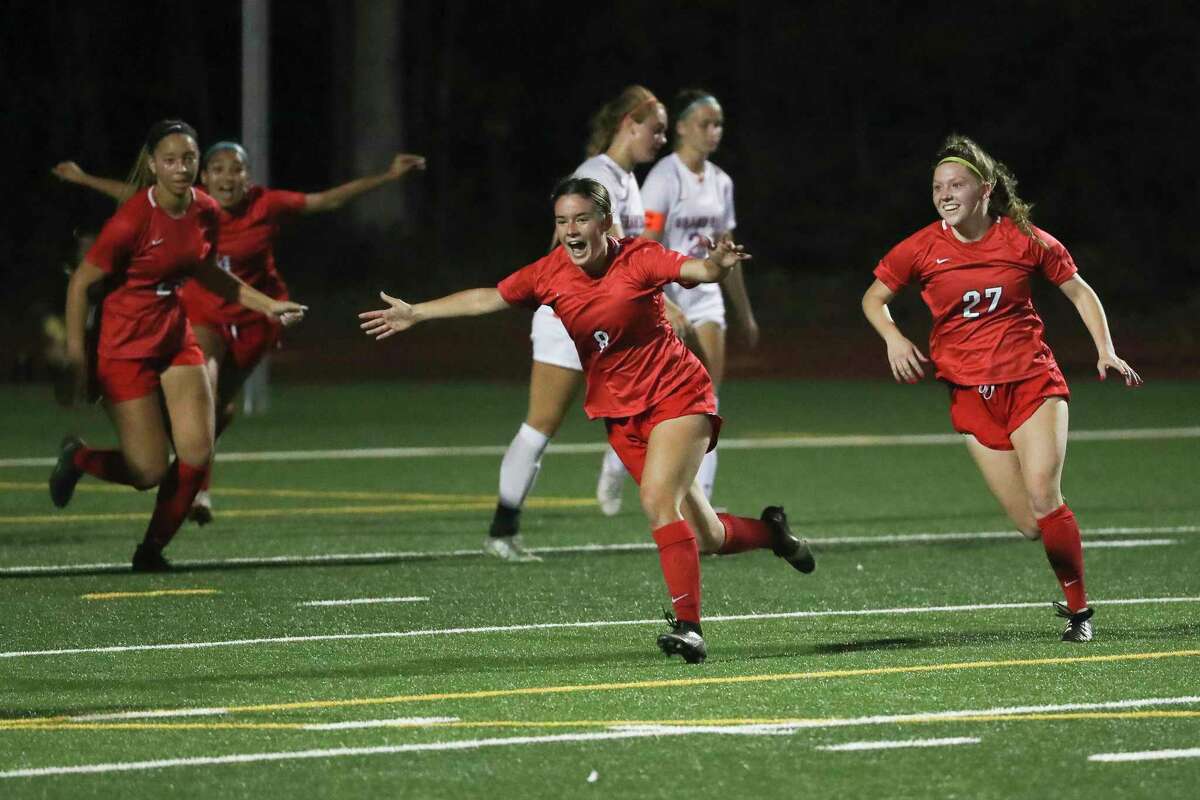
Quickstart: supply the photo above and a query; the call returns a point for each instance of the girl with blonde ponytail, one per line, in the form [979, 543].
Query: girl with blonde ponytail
[1007, 395]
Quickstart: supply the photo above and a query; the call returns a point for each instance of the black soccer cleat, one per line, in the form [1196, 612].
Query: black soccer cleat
[1079, 625]
[683, 640]
[201, 511]
[148, 558]
[65, 474]
[785, 544]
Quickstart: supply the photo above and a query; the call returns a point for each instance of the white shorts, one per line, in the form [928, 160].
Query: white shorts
[701, 304]
[551, 343]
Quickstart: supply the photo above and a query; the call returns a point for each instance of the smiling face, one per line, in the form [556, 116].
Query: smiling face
[225, 177]
[174, 163]
[649, 135]
[959, 196]
[582, 230]
[702, 128]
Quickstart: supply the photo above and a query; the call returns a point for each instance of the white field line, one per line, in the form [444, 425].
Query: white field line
[1110, 705]
[773, 443]
[851, 746]
[407, 555]
[359, 601]
[1129, 543]
[183, 712]
[618, 732]
[337, 752]
[337, 637]
[399, 722]
[1146, 755]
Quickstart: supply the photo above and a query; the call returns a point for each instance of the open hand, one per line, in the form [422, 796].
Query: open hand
[287, 312]
[384, 322]
[725, 253]
[404, 162]
[905, 359]
[68, 171]
[1112, 361]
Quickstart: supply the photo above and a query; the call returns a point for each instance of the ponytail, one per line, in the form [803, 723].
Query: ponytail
[140, 176]
[635, 101]
[1004, 201]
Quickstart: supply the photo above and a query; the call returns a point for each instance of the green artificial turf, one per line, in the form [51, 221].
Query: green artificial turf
[509, 655]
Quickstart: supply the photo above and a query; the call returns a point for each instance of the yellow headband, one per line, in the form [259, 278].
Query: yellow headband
[966, 164]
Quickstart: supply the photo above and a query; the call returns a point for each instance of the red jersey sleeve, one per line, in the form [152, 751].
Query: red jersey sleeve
[1054, 262]
[282, 203]
[655, 265]
[521, 287]
[115, 244]
[899, 267]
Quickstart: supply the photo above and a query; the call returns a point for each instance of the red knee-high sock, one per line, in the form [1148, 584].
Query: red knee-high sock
[680, 560]
[107, 465]
[1060, 537]
[175, 495]
[742, 534]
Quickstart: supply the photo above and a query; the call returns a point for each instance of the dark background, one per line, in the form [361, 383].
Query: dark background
[833, 113]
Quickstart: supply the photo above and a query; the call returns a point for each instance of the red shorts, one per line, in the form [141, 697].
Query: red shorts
[630, 435]
[992, 412]
[246, 343]
[124, 379]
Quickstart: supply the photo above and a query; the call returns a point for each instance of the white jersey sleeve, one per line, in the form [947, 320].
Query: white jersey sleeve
[661, 187]
[622, 189]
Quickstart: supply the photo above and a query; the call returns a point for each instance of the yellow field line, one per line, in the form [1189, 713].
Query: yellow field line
[154, 593]
[262, 513]
[677, 682]
[103, 488]
[1047, 716]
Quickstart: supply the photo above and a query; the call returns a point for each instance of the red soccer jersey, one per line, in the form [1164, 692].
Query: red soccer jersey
[246, 248]
[150, 253]
[985, 329]
[630, 355]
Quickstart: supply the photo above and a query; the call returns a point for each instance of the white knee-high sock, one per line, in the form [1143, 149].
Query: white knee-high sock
[707, 474]
[612, 463]
[520, 466]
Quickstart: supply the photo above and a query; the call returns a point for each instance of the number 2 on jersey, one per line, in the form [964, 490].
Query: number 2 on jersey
[972, 299]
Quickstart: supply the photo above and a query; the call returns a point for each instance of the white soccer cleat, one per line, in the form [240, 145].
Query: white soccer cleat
[609, 491]
[509, 548]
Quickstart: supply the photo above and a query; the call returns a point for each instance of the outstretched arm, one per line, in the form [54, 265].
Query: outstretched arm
[1087, 303]
[904, 357]
[400, 316]
[338, 196]
[232, 288]
[71, 172]
[722, 258]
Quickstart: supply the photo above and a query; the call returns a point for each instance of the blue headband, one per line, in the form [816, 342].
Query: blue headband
[707, 99]
[219, 146]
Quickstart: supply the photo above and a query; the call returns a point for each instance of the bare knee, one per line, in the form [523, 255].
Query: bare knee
[659, 504]
[1044, 498]
[147, 475]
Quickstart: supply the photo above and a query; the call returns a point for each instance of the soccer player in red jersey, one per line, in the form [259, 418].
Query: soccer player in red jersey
[654, 395]
[1007, 397]
[160, 237]
[234, 338]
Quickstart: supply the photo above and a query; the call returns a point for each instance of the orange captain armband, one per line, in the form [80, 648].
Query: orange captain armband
[655, 221]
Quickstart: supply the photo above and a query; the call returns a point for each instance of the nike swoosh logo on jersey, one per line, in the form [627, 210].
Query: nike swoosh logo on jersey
[156, 242]
[941, 260]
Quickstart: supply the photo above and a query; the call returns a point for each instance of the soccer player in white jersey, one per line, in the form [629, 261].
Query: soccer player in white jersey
[688, 199]
[627, 131]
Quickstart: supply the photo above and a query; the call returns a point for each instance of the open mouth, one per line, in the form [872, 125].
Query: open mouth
[575, 246]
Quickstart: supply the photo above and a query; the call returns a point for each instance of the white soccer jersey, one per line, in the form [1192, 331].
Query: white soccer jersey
[622, 189]
[693, 206]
